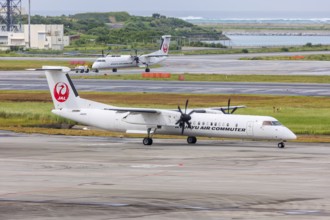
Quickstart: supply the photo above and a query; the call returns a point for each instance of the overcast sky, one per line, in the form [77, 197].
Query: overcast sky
[65, 6]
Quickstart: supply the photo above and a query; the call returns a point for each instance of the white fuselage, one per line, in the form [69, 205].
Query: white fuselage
[124, 61]
[203, 124]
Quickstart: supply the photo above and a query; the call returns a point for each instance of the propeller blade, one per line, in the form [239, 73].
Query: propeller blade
[189, 124]
[228, 106]
[223, 111]
[185, 111]
[182, 131]
[180, 109]
[233, 110]
[102, 53]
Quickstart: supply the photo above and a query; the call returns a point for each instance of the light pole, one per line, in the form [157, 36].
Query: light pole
[29, 18]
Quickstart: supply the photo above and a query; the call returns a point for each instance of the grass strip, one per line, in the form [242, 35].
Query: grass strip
[30, 111]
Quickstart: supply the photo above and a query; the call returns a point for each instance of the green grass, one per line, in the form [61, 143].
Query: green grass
[28, 64]
[304, 115]
[24, 114]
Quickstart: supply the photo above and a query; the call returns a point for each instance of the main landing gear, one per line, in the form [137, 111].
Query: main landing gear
[114, 70]
[281, 145]
[148, 140]
[147, 69]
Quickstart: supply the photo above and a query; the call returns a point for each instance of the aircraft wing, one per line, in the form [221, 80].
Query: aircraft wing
[230, 109]
[226, 108]
[149, 117]
[134, 110]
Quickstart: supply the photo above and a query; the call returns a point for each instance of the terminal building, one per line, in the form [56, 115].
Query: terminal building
[49, 37]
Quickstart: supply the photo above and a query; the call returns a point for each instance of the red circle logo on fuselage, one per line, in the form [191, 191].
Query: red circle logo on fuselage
[61, 92]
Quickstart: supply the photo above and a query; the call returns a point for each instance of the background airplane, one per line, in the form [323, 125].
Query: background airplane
[208, 122]
[115, 62]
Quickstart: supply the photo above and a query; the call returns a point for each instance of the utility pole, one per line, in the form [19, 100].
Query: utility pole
[29, 18]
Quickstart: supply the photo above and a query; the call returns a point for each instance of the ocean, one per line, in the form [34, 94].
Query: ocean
[224, 16]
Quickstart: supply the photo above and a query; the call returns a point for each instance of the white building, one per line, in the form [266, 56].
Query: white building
[42, 37]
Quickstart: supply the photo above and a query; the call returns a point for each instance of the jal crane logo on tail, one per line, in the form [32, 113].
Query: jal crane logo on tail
[61, 92]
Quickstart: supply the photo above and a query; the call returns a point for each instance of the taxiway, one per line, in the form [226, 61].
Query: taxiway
[208, 64]
[52, 177]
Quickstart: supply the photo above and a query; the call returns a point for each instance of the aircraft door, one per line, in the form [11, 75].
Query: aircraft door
[249, 128]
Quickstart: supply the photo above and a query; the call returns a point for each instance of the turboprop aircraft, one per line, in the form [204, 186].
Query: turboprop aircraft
[123, 61]
[207, 122]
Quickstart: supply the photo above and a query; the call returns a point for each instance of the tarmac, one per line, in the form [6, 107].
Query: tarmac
[65, 177]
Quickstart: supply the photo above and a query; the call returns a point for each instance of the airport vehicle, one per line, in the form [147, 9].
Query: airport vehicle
[81, 69]
[208, 122]
[115, 62]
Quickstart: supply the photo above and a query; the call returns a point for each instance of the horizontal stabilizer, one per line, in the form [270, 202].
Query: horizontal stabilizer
[52, 68]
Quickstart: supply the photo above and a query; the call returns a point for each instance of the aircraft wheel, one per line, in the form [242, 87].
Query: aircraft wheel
[114, 70]
[147, 70]
[191, 140]
[281, 145]
[96, 70]
[147, 141]
[87, 71]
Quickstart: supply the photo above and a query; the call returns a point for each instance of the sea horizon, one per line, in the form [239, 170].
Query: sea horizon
[222, 16]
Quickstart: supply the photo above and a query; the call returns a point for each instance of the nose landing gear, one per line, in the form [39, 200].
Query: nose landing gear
[281, 145]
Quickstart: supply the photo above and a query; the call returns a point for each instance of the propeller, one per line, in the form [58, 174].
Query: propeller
[228, 109]
[136, 58]
[102, 53]
[184, 118]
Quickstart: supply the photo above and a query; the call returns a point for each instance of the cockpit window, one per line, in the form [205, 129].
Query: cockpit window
[100, 61]
[271, 123]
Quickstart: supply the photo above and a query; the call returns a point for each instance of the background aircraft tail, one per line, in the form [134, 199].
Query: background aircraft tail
[164, 48]
[165, 44]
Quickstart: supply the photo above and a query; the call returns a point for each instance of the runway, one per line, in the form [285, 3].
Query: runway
[52, 177]
[221, 64]
[225, 64]
[300, 89]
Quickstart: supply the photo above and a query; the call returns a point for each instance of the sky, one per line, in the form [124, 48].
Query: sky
[178, 6]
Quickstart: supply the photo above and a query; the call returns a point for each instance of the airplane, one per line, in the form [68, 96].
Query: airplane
[115, 62]
[205, 122]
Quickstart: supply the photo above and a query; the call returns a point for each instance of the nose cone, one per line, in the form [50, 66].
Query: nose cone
[94, 66]
[289, 135]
